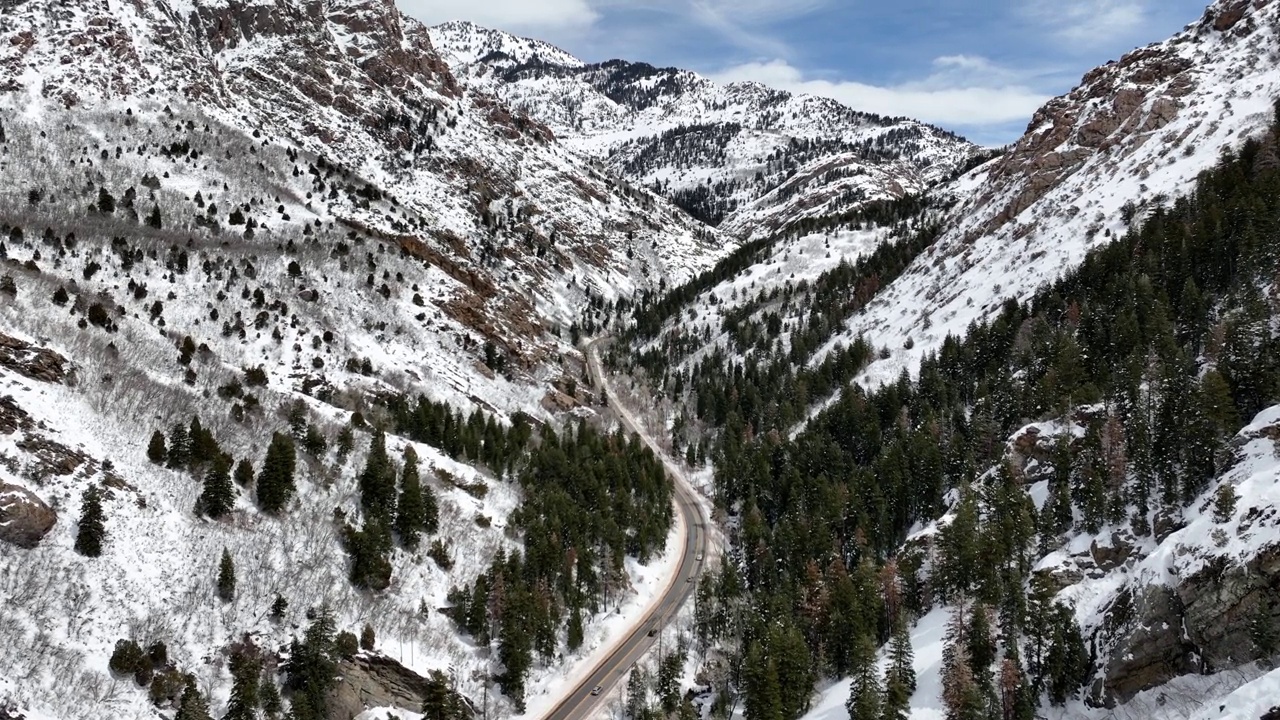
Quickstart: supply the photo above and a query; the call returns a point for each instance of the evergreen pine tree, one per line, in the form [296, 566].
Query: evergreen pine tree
[312, 667]
[194, 706]
[269, 696]
[430, 510]
[764, 700]
[958, 547]
[981, 644]
[204, 448]
[179, 447]
[314, 442]
[346, 442]
[246, 674]
[219, 495]
[637, 694]
[900, 676]
[91, 529]
[244, 473]
[275, 481]
[226, 577]
[377, 482]
[410, 513]
[866, 697]
[370, 548]
[156, 452]
[436, 703]
[278, 608]
[1067, 664]
[574, 630]
[515, 647]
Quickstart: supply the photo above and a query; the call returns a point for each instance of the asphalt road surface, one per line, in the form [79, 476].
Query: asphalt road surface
[584, 700]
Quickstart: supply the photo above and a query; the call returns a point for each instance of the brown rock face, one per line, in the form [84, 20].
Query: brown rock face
[376, 681]
[1201, 626]
[12, 417]
[1232, 13]
[24, 518]
[34, 362]
[1151, 650]
[1111, 556]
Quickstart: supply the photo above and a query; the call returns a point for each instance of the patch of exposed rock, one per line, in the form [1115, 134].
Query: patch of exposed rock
[24, 518]
[54, 458]
[1201, 626]
[12, 416]
[31, 361]
[1150, 649]
[375, 681]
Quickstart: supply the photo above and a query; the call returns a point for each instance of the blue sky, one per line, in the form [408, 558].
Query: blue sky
[979, 67]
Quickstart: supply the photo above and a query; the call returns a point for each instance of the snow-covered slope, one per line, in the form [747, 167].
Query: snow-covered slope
[301, 187]
[743, 156]
[1132, 136]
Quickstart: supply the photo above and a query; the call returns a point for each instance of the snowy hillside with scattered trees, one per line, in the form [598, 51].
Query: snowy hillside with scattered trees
[295, 419]
[287, 328]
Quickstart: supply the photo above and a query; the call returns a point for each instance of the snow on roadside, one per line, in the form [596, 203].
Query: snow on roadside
[607, 631]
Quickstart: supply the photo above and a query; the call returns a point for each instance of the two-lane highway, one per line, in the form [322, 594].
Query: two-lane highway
[582, 701]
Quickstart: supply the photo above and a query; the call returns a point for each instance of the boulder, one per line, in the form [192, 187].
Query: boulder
[24, 518]
[1167, 523]
[556, 401]
[369, 681]
[1112, 555]
[12, 417]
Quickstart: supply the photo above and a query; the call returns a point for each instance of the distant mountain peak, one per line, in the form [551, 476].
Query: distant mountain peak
[750, 158]
[462, 42]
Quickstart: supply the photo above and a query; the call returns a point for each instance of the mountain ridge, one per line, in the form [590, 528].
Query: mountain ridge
[751, 158]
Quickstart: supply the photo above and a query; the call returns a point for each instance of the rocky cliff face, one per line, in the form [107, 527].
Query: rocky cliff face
[1192, 599]
[371, 681]
[1122, 107]
[742, 156]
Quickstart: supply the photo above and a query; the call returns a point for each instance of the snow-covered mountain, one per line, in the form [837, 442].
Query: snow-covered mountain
[199, 190]
[747, 158]
[1168, 616]
[1132, 136]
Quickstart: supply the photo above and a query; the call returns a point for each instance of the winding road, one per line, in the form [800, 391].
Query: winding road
[582, 701]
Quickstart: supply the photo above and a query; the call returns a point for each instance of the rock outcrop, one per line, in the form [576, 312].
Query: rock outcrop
[31, 361]
[24, 518]
[1203, 625]
[375, 681]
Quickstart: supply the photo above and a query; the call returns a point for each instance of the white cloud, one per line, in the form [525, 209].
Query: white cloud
[528, 16]
[712, 17]
[1089, 23]
[962, 90]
